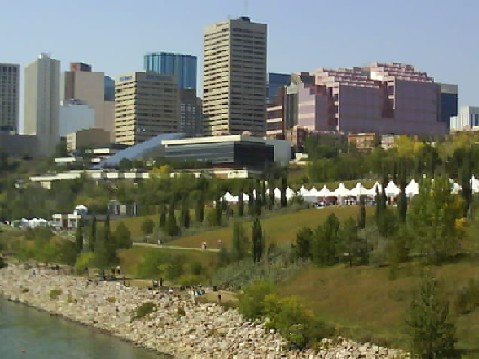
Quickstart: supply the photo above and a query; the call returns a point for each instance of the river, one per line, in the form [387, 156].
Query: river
[28, 333]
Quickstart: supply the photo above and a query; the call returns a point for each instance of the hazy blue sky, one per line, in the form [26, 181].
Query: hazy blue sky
[436, 36]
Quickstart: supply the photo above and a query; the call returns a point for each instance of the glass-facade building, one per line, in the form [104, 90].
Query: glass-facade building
[449, 102]
[109, 89]
[275, 82]
[182, 66]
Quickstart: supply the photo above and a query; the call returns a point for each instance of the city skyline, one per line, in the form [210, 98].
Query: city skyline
[299, 39]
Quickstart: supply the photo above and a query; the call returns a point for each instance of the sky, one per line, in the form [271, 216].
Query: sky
[436, 36]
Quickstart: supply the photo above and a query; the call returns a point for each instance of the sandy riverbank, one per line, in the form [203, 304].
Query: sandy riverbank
[204, 330]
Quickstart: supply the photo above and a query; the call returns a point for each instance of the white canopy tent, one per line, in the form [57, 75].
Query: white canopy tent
[392, 190]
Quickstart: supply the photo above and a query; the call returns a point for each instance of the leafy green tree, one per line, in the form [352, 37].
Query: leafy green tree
[79, 237]
[433, 215]
[387, 223]
[185, 214]
[326, 240]
[123, 236]
[271, 188]
[304, 239]
[240, 242]
[251, 303]
[432, 330]
[257, 239]
[147, 226]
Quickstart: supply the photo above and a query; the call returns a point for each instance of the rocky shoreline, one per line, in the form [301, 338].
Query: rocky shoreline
[177, 327]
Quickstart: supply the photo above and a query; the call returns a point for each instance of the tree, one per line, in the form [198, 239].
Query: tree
[79, 237]
[362, 213]
[326, 239]
[200, 209]
[304, 239]
[172, 228]
[284, 187]
[123, 236]
[147, 226]
[432, 331]
[271, 194]
[257, 240]
[162, 222]
[240, 203]
[251, 303]
[402, 202]
[92, 238]
[433, 215]
[219, 211]
[350, 239]
[240, 242]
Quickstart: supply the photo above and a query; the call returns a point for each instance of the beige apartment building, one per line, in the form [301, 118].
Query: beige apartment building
[146, 104]
[81, 83]
[41, 103]
[234, 77]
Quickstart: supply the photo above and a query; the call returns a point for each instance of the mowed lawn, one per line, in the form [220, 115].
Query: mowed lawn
[364, 303]
[280, 229]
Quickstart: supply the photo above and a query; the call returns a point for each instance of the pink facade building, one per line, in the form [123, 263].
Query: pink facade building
[380, 98]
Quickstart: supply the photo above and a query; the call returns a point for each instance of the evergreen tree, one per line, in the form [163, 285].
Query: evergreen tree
[200, 209]
[251, 202]
[271, 194]
[284, 187]
[219, 211]
[162, 222]
[258, 201]
[433, 333]
[185, 214]
[79, 237]
[326, 239]
[172, 226]
[92, 238]
[402, 201]
[240, 242]
[362, 213]
[122, 236]
[240, 203]
[257, 240]
[263, 192]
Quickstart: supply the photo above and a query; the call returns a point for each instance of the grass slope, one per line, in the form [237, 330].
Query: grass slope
[280, 228]
[363, 303]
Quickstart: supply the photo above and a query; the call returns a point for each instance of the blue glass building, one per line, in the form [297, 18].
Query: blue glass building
[276, 81]
[449, 102]
[109, 89]
[182, 66]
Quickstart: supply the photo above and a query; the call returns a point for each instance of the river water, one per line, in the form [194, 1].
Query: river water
[28, 333]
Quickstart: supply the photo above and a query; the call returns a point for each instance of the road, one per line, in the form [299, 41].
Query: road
[152, 245]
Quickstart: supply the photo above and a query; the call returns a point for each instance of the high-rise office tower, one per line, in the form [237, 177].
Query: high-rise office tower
[81, 83]
[42, 102]
[234, 77]
[182, 66]
[449, 102]
[146, 104]
[9, 97]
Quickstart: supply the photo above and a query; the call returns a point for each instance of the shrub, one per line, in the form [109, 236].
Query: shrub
[55, 293]
[143, 310]
[111, 299]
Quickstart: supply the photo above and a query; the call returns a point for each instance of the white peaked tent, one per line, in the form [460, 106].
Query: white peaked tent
[310, 196]
[313, 192]
[377, 187]
[325, 192]
[392, 190]
[474, 184]
[289, 193]
[412, 188]
[228, 197]
[342, 191]
[277, 193]
[456, 187]
[303, 191]
[358, 191]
